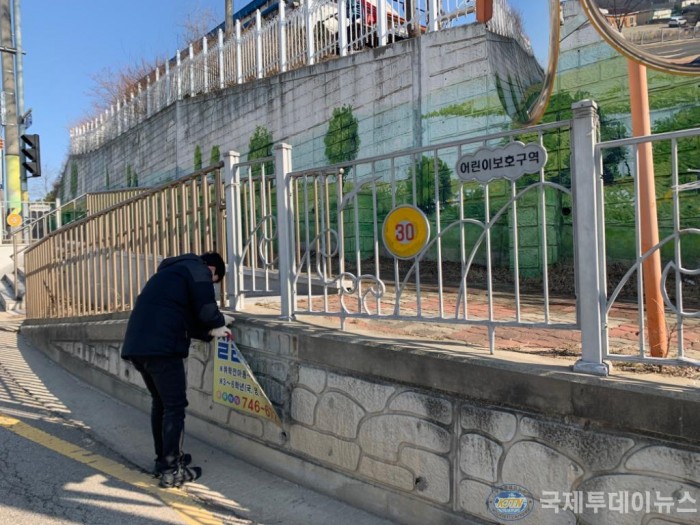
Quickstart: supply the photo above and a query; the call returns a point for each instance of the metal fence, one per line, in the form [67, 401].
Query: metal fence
[252, 238]
[42, 218]
[647, 35]
[317, 241]
[33, 213]
[316, 31]
[342, 261]
[667, 267]
[100, 263]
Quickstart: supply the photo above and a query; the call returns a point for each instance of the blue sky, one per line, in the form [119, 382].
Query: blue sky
[67, 42]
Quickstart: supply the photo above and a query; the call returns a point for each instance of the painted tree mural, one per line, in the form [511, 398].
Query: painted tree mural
[259, 147]
[342, 140]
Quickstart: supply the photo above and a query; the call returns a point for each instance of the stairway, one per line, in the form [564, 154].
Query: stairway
[9, 299]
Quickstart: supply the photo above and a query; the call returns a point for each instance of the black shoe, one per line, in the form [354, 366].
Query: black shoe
[178, 477]
[185, 460]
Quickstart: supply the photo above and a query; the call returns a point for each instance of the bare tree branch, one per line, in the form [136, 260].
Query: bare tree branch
[113, 85]
[195, 26]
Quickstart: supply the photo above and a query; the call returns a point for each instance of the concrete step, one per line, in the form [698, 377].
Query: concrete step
[9, 299]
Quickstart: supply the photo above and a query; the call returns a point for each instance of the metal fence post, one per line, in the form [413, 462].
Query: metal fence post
[179, 75]
[239, 59]
[342, 27]
[148, 96]
[382, 24]
[155, 96]
[258, 45]
[168, 98]
[132, 112]
[234, 237]
[433, 12]
[285, 232]
[191, 70]
[58, 213]
[205, 56]
[282, 37]
[310, 51]
[588, 232]
[220, 37]
[119, 117]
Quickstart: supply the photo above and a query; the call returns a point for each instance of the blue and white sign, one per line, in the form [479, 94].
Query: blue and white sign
[510, 502]
[508, 162]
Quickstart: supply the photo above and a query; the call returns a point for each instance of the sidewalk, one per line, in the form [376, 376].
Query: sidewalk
[517, 344]
[236, 488]
[233, 490]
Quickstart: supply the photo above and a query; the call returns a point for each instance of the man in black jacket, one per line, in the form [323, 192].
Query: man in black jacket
[176, 304]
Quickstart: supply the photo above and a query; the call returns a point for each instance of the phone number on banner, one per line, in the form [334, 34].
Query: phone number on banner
[248, 403]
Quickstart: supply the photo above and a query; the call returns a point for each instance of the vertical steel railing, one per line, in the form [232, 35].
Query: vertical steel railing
[99, 263]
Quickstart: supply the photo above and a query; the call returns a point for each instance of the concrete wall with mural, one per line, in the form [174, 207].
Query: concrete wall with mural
[388, 90]
[423, 91]
[424, 436]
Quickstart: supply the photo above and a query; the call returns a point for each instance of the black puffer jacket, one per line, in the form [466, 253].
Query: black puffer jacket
[177, 303]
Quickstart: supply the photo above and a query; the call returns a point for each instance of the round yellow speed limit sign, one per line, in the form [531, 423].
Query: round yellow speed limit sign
[14, 220]
[406, 231]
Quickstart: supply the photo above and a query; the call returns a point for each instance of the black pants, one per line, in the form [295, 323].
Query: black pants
[166, 381]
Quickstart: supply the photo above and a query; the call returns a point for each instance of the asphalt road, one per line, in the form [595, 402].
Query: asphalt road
[55, 469]
[70, 454]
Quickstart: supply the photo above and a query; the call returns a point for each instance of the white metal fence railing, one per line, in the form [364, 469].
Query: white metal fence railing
[252, 235]
[317, 239]
[41, 218]
[32, 213]
[334, 260]
[666, 266]
[316, 31]
[340, 265]
[647, 35]
[99, 264]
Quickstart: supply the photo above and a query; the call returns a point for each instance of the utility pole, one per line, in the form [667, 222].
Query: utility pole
[19, 85]
[228, 20]
[13, 184]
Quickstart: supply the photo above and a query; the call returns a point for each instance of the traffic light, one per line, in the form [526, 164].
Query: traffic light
[32, 155]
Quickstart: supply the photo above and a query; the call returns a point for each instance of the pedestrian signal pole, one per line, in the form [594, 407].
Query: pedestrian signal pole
[13, 183]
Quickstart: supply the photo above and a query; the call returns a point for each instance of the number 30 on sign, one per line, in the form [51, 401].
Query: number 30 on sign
[406, 231]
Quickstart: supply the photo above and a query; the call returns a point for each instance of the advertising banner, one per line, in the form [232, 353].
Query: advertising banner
[235, 385]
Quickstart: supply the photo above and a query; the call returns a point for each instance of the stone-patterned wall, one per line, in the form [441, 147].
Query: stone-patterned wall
[449, 451]
[422, 442]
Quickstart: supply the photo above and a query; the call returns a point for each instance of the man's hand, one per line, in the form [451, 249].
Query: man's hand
[222, 331]
[228, 319]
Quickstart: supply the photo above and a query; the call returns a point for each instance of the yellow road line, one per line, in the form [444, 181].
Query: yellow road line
[190, 512]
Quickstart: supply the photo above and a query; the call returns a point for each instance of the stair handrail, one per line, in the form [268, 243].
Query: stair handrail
[25, 229]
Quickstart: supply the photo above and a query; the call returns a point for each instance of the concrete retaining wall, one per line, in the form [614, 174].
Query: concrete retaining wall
[424, 436]
[389, 89]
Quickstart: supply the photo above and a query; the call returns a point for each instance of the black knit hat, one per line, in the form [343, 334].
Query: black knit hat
[215, 260]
